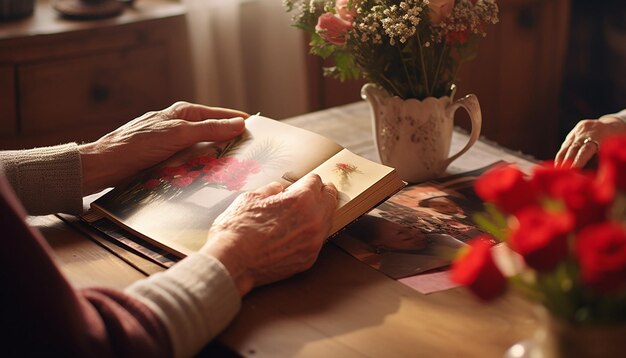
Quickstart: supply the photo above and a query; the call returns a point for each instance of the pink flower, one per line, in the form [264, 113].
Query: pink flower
[344, 12]
[182, 182]
[439, 10]
[333, 28]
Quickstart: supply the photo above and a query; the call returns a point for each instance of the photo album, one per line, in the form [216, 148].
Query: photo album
[165, 212]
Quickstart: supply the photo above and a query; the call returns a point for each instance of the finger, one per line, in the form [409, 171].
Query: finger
[330, 195]
[197, 112]
[570, 155]
[560, 156]
[270, 189]
[310, 181]
[216, 129]
[585, 154]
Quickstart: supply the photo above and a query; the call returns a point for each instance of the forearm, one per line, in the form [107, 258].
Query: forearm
[42, 315]
[196, 299]
[47, 180]
[621, 115]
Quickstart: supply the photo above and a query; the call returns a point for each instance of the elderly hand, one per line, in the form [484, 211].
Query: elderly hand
[583, 142]
[152, 138]
[270, 234]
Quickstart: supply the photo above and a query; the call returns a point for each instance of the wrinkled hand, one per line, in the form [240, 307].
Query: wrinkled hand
[152, 138]
[583, 142]
[269, 234]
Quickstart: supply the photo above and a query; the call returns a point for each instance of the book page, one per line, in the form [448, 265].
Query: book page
[361, 183]
[174, 204]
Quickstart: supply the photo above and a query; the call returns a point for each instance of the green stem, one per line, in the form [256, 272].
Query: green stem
[392, 86]
[443, 50]
[406, 72]
[419, 46]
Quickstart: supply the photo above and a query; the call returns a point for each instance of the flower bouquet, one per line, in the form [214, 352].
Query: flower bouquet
[566, 231]
[411, 48]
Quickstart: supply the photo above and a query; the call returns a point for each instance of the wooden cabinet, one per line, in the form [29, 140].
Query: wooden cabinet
[63, 80]
[517, 77]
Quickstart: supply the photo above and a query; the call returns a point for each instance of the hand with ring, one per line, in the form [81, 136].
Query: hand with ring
[583, 142]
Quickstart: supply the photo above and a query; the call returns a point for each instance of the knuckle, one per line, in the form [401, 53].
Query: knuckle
[587, 124]
[180, 104]
[248, 196]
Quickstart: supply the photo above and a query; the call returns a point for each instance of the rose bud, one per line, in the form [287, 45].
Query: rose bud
[477, 270]
[439, 10]
[345, 12]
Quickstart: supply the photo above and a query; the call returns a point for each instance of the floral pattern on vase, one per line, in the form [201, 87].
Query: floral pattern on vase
[414, 136]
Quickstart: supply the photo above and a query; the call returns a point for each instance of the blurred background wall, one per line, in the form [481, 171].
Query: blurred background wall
[246, 55]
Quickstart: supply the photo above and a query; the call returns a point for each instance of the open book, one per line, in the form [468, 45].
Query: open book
[174, 204]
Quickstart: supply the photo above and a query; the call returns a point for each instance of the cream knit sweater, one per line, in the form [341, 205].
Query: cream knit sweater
[196, 299]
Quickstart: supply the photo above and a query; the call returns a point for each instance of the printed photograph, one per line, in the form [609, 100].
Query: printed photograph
[418, 229]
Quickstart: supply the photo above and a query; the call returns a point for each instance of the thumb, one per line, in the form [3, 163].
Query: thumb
[217, 129]
[270, 189]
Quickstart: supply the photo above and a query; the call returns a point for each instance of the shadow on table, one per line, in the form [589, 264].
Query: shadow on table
[289, 317]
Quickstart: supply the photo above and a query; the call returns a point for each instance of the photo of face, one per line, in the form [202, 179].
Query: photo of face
[383, 235]
[418, 229]
[395, 249]
[442, 204]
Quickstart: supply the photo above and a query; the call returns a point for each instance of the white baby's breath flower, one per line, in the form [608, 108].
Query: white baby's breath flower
[422, 62]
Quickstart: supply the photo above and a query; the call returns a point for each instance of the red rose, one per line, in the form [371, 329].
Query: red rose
[506, 187]
[581, 194]
[612, 163]
[457, 37]
[601, 250]
[541, 237]
[477, 270]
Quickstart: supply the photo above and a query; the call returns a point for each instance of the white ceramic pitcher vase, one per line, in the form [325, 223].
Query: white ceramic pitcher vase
[414, 136]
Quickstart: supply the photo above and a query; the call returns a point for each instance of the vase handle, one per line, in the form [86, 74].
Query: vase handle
[471, 105]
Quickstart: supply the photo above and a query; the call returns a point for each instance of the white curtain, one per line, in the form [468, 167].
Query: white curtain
[247, 56]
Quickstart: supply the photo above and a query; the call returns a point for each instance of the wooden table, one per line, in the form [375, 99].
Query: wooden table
[341, 307]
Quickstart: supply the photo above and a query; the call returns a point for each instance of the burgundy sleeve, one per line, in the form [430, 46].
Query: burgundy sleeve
[43, 315]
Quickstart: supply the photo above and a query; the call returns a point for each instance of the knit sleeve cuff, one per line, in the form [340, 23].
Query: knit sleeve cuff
[196, 299]
[621, 115]
[47, 180]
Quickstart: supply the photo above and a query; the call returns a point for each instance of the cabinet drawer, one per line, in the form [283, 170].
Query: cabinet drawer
[8, 118]
[93, 90]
